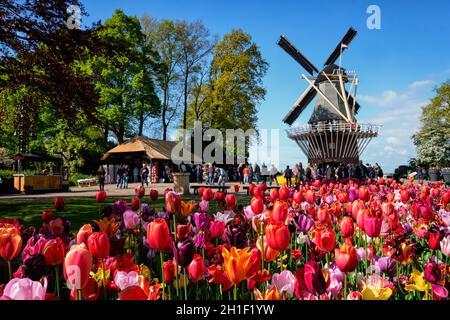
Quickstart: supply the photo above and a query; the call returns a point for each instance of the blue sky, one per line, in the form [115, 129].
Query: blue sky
[398, 66]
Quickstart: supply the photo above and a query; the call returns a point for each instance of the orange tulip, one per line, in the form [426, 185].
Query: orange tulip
[187, 207]
[54, 251]
[278, 236]
[158, 235]
[346, 259]
[236, 263]
[77, 266]
[10, 242]
[269, 253]
[108, 226]
[271, 294]
[280, 211]
[84, 233]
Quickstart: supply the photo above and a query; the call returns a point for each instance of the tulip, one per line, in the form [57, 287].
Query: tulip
[47, 216]
[158, 235]
[98, 244]
[218, 276]
[183, 252]
[304, 223]
[432, 273]
[84, 233]
[200, 191]
[186, 208]
[34, 267]
[309, 281]
[204, 206]
[284, 282]
[234, 235]
[372, 225]
[77, 266]
[173, 202]
[445, 246]
[236, 188]
[347, 227]
[434, 239]
[280, 211]
[363, 193]
[169, 271]
[325, 239]
[284, 193]
[404, 196]
[324, 216]
[135, 203]
[274, 195]
[10, 244]
[230, 200]
[446, 198]
[278, 236]
[298, 197]
[130, 219]
[207, 194]
[59, 203]
[354, 295]
[24, 289]
[219, 196]
[153, 194]
[271, 294]
[183, 230]
[236, 262]
[100, 196]
[310, 196]
[342, 197]
[54, 251]
[217, 229]
[124, 279]
[346, 258]
[139, 192]
[196, 268]
[269, 253]
[257, 205]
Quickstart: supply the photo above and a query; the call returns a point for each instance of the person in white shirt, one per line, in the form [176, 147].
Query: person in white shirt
[273, 174]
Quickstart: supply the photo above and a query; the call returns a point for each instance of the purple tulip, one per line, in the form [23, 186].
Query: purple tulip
[352, 195]
[304, 223]
[200, 240]
[183, 252]
[120, 207]
[385, 265]
[234, 235]
[130, 219]
[204, 206]
[201, 220]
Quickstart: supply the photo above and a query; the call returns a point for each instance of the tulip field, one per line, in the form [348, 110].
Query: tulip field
[323, 240]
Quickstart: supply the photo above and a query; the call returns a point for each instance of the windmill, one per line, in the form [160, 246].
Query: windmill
[332, 134]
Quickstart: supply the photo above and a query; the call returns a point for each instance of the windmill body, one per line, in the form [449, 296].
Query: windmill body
[332, 134]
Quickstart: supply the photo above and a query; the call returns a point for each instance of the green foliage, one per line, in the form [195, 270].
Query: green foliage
[433, 138]
[73, 179]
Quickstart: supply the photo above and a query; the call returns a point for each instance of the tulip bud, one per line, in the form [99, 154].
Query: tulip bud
[98, 244]
[196, 268]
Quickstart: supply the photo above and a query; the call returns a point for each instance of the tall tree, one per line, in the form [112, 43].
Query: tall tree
[433, 138]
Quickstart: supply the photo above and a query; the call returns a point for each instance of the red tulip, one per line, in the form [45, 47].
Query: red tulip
[284, 193]
[434, 240]
[280, 211]
[158, 235]
[257, 191]
[347, 227]
[196, 268]
[342, 197]
[250, 188]
[84, 233]
[54, 251]
[236, 188]
[298, 197]
[446, 198]
[317, 183]
[360, 217]
[98, 244]
[173, 202]
[363, 193]
[356, 206]
[219, 196]
[230, 200]
[325, 239]
[59, 203]
[310, 196]
[404, 195]
[169, 271]
[77, 266]
[154, 194]
[257, 205]
[133, 293]
[346, 258]
[139, 192]
[324, 216]
[100, 196]
[200, 191]
[217, 228]
[183, 230]
[90, 292]
[10, 242]
[309, 281]
[207, 194]
[47, 216]
[372, 225]
[135, 203]
[277, 236]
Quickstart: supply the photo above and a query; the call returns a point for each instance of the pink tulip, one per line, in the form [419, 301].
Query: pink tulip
[130, 219]
[445, 246]
[24, 289]
[284, 282]
[124, 280]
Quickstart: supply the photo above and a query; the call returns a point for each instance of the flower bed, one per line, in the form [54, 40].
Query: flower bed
[376, 241]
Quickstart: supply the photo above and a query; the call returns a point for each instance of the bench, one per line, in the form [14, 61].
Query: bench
[219, 188]
[82, 183]
[268, 188]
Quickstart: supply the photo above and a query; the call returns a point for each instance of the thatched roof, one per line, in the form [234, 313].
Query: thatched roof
[153, 148]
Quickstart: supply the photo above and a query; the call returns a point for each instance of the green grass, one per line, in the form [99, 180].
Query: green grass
[79, 211]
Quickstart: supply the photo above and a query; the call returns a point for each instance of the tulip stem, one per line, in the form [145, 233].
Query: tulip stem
[57, 280]
[9, 269]
[185, 286]
[162, 274]
[174, 227]
[263, 249]
[104, 280]
[345, 285]
[178, 283]
[79, 294]
[235, 292]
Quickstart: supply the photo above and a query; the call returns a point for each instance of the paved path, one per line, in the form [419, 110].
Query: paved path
[110, 189]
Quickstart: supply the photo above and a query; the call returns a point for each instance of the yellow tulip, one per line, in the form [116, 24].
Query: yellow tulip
[376, 292]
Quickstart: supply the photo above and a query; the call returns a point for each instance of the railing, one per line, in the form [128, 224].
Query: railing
[350, 127]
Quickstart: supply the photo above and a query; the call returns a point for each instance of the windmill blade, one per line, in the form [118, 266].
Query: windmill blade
[351, 33]
[300, 105]
[350, 102]
[297, 55]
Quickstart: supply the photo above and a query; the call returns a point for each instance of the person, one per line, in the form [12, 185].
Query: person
[144, 174]
[199, 173]
[135, 174]
[308, 173]
[222, 176]
[101, 177]
[264, 172]
[126, 172]
[182, 167]
[380, 172]
[257, 172]
[301, 172]
[210, 174]
[273, 174]
[119, 177]
[288, 176]
[246, 172]
[295, 173]
[241, 172]
[250, 173]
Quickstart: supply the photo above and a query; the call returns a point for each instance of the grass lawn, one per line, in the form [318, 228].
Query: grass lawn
[79, 210]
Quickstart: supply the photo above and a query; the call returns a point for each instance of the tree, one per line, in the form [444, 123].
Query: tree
[433, 138]
[125, 82]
